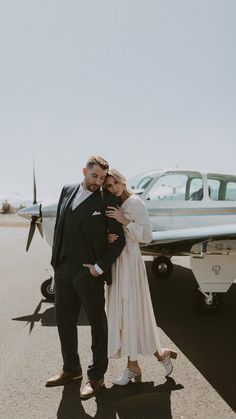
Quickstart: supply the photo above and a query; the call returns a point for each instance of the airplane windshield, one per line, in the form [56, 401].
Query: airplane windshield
[177, 186]
[142, 181]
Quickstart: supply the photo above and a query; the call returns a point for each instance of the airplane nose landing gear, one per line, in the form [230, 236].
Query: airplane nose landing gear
[208, 303]
[48, 289]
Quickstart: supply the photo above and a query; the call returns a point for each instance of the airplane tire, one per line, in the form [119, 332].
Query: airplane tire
[203, 307]
[162, 267]
[46, 291]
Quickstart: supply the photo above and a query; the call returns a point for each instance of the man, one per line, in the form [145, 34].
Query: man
[82, 258]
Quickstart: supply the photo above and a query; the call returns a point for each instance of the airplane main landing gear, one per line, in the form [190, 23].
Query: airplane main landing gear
[208, 302]
[162, 267]
[48, 289]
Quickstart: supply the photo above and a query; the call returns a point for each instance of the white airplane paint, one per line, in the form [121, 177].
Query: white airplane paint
[191, 213]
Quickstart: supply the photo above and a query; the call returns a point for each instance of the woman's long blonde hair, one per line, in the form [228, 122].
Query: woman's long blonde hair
[120, 179]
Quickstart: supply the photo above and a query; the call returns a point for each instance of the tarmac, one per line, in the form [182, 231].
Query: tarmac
[202, 385]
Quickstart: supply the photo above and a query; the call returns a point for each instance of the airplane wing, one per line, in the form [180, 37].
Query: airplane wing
[180, 241]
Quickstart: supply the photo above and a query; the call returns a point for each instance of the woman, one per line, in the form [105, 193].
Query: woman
[132, 328]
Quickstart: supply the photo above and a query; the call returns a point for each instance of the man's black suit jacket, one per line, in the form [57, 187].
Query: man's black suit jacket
[95, 229]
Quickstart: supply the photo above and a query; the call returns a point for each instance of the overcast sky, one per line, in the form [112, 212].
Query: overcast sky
[145, 83]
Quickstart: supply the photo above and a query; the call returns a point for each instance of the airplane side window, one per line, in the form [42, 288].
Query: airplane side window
[214, 188]
[169, 187]
[230, 191]
[196, 190]
[221, 187]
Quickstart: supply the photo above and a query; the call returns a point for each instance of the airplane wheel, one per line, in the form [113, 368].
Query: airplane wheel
[46, 291]
[203, 306]
[162, 267]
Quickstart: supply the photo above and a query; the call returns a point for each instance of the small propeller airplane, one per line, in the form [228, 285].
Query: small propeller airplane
[192, 214]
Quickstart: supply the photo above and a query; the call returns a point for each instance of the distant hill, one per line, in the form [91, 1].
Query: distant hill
[15, 200]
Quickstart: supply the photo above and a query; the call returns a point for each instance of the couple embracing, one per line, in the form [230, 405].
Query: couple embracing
[99, 226]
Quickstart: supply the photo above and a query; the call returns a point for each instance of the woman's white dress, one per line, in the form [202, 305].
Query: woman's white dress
[132, 328]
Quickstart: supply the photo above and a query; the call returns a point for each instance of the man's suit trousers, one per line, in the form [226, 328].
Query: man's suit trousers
[74, 285]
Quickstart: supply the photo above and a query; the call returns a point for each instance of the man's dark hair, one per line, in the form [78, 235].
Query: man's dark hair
[97, 160]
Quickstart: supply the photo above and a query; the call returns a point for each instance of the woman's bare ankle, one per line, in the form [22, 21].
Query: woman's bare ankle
[134, 367]
[162, 356]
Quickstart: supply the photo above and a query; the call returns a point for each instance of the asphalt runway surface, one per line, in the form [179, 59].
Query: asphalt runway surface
[202, 385]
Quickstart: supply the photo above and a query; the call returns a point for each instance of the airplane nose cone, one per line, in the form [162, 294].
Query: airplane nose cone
[29, 212]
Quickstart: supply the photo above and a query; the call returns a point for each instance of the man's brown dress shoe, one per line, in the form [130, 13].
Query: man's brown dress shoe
[91, 388]
[63, 377]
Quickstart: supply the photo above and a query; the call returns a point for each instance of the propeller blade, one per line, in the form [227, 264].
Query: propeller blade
[35, 190]
[40, 228]
[31, 233]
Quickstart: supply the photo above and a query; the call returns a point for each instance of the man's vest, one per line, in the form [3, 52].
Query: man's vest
[74, 246]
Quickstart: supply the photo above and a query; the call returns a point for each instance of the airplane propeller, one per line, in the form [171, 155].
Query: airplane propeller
[34, 213]
[34, 188]
[34, 222]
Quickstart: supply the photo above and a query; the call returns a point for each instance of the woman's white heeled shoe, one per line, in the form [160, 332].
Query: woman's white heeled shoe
[167, 363]
[127, 377]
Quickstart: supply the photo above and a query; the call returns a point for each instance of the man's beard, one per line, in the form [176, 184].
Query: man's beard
[93, 188]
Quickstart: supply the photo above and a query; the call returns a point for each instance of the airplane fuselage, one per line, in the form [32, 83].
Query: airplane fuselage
[172, 202]
[191, 214]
